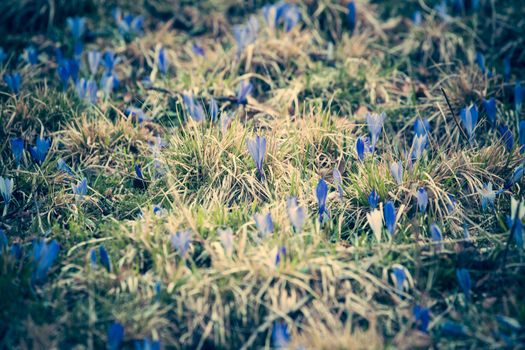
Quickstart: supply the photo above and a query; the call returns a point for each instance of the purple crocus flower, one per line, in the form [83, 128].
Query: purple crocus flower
[291, 16]
[105, 260]
[399, 276]
[31, 55]
[437, 237]
[13, 82]
[40, 150]
[245, 88]
[17, 148]
[115, 336]
[44, 255]
[264, 223]
[280, 335]
[80, 189]
[94, 58]
[77, 27]
[213, 110]
[338, 182]
[421, 127]
[198, 50]
[180, 241]
[421, 317]
[389, 215]
[257, 149]
[490, 108]
[469, 117]
[422, 199]
[195, 109]
[162, 61]
[296, 213]
[352, 15]
[375, 126]
[62, 166]
[396, 169]
[480, 60]
[321, 193]
[373, 199]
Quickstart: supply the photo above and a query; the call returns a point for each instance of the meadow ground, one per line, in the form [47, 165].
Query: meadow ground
[229, 174]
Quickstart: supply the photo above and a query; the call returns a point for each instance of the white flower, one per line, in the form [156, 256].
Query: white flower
[375, 220]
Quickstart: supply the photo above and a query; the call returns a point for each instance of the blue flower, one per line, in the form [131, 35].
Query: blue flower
[469, 117]
[138, 172]
[360, 148]
[115, 336]
[93, 257]
[421, 317]
[180, 241]
[422, 199]
[421, 127]
[162, 61]
[321, 192]
[6, 189]
[506, 137]
[281, 254]
[245, 88]
[77, 27]
[373, 199]
[490, 108]
[108, 82]
[437, 236]
[338, 182]
[389, 215]
[296, 213]
[480, 60]
[40, 150]
[87, 90]
[417, 18]
[522, 136]
[375, 125]
[198, 50]
[463, 277]
[136, 114]
[31, 55]
[44, 255]
[487, 196]
[291, 16]
[94, 57]
[454, 329]
[80, 189]
[147, 344]
[17, 148]
[280, 335]
[63, 75]
[274, 13]
[105, 261]
[418, 146]
[13, 82]
[62, 166]
[517, 174]
[264, 223]
[213, 110]
[396, 169]
[518, 96]
[352, 15]
[128, 25]
[246, 34]
[399, 276]
[194, 109]
[109, 60]
[257, 149]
